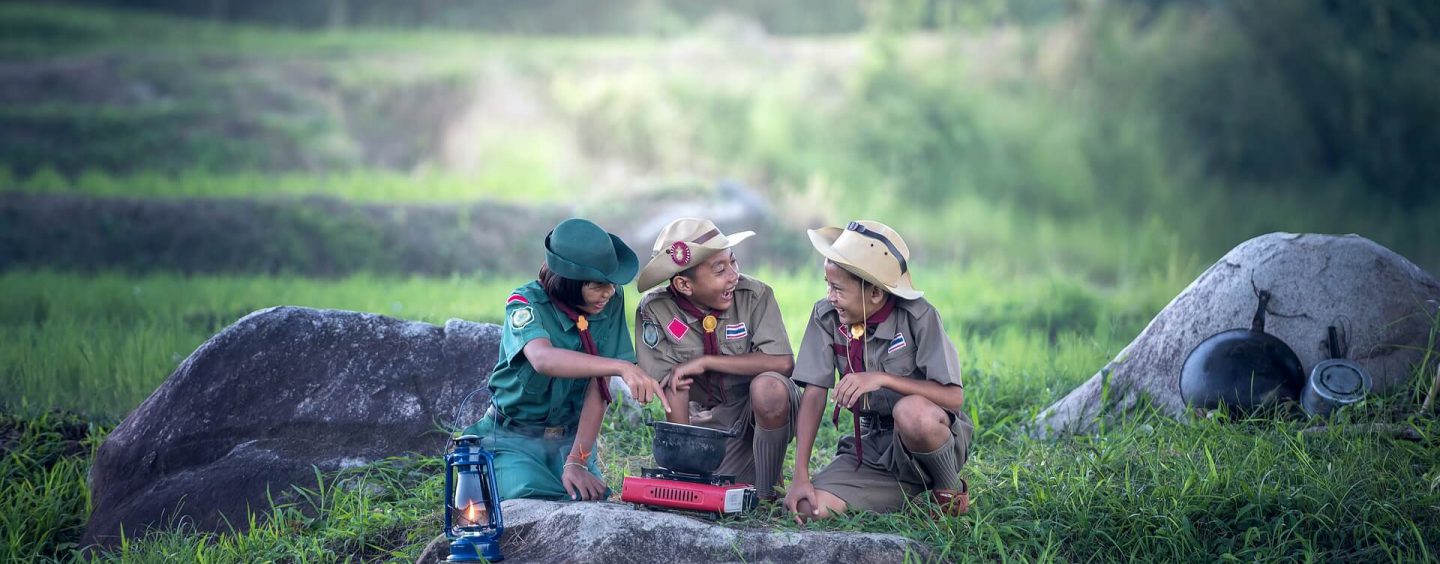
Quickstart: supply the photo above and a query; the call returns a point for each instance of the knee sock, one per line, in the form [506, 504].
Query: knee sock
[941, 465]
[769, 449]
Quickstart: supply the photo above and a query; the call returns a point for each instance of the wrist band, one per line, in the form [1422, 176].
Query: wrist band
[576, 464]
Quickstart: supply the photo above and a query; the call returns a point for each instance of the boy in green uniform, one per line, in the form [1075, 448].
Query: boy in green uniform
[564, 335]
[900, 380]
[715, 337]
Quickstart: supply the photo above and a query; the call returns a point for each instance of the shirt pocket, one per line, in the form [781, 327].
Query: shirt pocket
[536, 385]
[734, 346]
[901, 363]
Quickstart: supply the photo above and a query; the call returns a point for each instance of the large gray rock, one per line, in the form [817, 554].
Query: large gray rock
[1386, 302]
[551, 531]
[264, 403]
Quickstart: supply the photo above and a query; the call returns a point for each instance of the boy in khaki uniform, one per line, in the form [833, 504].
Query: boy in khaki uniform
[900, 378]
[716, 341]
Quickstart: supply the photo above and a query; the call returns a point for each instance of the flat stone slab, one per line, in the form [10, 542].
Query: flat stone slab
[551, 531]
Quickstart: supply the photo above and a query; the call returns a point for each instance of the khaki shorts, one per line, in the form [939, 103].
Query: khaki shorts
[739, 454]
[890, 475]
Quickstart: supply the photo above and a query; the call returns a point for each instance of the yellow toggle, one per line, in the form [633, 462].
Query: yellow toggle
[709, 323]
[582, 324]
[857, 330]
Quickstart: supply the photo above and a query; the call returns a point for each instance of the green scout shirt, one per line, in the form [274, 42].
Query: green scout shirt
[529, 397]
[666, 336]
[911, 343]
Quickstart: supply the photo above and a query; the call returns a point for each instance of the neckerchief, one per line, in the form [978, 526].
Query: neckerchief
[854, 351]
[708, 322]
[587, 341]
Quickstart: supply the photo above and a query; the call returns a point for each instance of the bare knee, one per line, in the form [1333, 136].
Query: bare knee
[922, 425]
[770, 401]
[830, 504]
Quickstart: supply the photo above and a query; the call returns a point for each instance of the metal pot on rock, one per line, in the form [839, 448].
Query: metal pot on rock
[687, 448]
[1241, 368]
[1334, 383]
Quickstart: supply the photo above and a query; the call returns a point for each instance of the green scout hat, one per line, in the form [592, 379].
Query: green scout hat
[686, 242]
[580, 250]
[871, 250]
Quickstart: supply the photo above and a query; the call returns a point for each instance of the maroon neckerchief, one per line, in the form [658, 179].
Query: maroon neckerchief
[708, 323]
[854, 352]
[586, 341]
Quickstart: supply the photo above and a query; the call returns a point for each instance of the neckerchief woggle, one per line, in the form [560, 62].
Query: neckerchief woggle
[587, 342]
[854, 352]
[708, 322]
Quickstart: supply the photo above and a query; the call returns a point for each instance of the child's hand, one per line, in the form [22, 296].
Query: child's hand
[800, 501]
[643, 387]
[581, 484]
[857, 384]
[683, 375]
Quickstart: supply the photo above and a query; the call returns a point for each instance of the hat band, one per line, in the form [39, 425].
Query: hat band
[708, 235]
[858, 228]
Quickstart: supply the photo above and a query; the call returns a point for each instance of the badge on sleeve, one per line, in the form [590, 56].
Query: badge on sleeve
[521, 317]
[677, 328]
[736, 331]
[650, 333]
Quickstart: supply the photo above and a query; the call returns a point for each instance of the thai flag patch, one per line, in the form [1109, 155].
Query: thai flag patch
[736, 331]
[516, 298]
[897, 343]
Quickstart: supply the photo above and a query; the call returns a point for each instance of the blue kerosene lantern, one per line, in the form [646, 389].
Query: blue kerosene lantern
[472, 503]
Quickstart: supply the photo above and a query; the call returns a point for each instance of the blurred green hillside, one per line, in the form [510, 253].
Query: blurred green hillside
[1106, 140]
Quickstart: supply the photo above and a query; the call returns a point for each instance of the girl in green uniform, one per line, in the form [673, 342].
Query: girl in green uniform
[564, 335]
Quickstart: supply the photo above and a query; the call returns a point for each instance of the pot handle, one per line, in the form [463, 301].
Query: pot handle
[1334, 343]
[1258, 324]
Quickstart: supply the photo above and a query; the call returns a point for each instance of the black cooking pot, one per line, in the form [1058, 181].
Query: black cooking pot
[687, 448]
[1242, 368]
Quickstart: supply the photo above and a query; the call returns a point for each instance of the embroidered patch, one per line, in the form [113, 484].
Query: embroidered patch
[677, 328]
[650, 333]
[679, 253]
[516, 298]
[521, 317]
[736, 331]
[897, 343]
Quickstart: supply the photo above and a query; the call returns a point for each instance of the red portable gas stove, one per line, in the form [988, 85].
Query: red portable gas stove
[713, 495]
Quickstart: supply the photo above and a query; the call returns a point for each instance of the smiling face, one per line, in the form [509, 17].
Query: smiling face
[597, 295]
[712, 282]
[846, 294]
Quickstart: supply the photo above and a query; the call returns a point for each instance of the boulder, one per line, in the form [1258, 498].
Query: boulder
[551, 531]
[1385, 304]
[273, 398]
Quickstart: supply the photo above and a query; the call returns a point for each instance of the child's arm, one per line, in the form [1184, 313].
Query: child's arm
[801, 492]
[748, 364]
[561, 363]
[577, 479]
[854, 386]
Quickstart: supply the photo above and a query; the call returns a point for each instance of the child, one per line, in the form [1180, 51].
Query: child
[900, 381]
[715, 337]
[564, 335]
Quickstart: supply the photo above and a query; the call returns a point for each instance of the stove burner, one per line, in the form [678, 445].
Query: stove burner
[705, 478]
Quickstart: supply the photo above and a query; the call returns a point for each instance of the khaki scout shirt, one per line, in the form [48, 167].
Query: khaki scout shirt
[666, 336]
[911, 343]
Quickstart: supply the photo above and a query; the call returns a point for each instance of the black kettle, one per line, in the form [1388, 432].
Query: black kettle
[1241, 368]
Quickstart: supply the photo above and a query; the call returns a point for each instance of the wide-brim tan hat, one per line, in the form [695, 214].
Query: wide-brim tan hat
[871, 250]
[684, 243]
